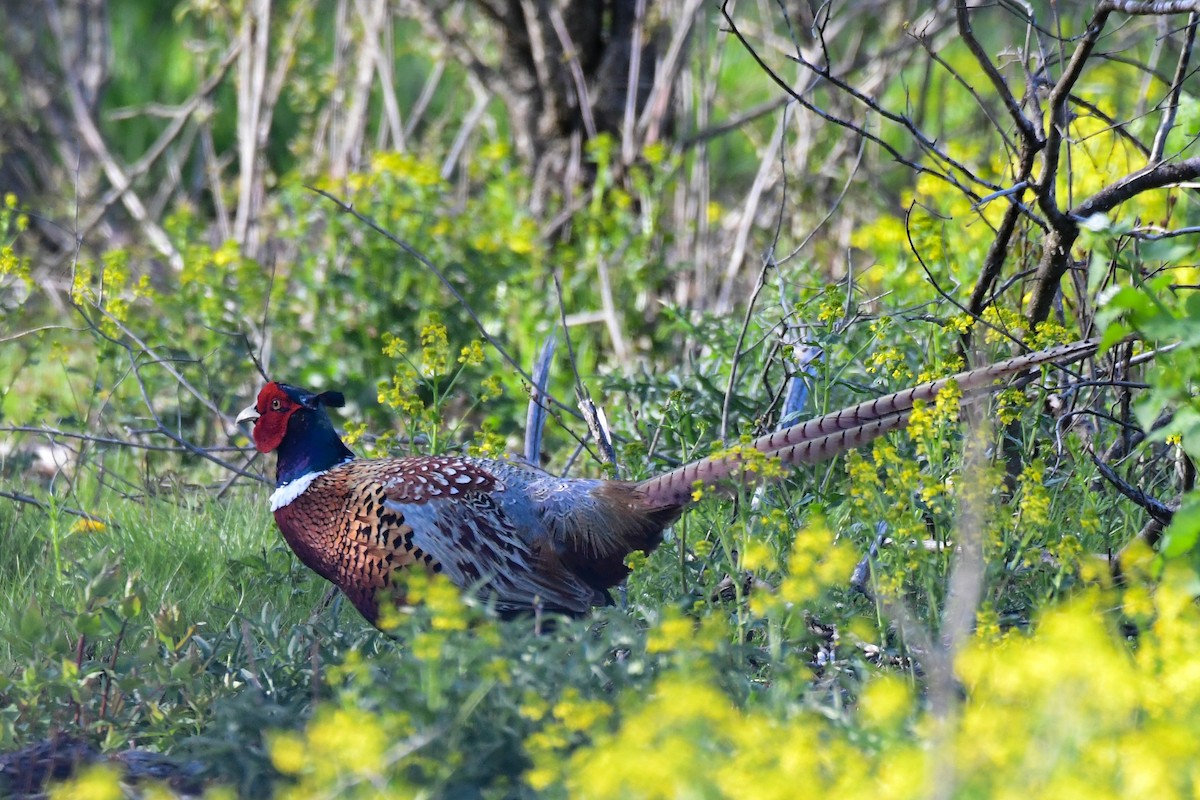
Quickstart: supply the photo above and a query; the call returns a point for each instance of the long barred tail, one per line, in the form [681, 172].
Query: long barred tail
[825, 437]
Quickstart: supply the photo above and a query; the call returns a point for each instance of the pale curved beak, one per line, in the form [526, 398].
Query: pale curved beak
[248, 414]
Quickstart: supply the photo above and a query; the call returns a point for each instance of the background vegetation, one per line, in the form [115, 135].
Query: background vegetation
[735, 214]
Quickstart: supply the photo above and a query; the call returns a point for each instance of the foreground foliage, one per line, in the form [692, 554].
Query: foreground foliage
[727, 698]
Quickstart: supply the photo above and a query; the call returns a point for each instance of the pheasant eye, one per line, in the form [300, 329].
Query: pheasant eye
[275, 404]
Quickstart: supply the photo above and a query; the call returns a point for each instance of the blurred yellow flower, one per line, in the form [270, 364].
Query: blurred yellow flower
[88, 525]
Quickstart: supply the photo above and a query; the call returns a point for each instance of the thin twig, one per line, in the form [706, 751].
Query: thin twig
[592, 415]
[768, 263]
[21, 497]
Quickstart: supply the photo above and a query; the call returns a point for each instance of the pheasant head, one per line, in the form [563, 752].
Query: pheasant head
[294, 423]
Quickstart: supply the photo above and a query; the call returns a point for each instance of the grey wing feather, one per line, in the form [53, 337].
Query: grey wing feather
[482, 546]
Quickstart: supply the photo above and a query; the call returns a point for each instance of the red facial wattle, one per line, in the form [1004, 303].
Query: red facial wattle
[274, 408]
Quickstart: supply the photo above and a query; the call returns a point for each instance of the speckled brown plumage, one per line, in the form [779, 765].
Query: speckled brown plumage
[351, 525]
[512, 534]
[348, 526]
[341, 530]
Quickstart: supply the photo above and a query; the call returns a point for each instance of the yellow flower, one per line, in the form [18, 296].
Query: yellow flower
[887, 361]
[435, 349]
[88, 525]
[832, 307]
[99, 782]
[393, 346]
[533, 706]
[672, 631]
[987, 623]
[757, 554]
[354, 432]
[490, 388]
[1009, 404]
[1048, 334]
[815, 562]
[1002, 323]
[487, 442]
[580, 715]
[287, 752]
[961, 323]
[885, 702]
[523, 240]
[1035, 499]
[228, 253]
[918, 421]
[471, 354]
[494, 151]
[427, 646]
[540, 778]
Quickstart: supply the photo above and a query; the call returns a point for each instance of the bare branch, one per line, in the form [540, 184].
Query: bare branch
[56, 433]
[21, 497]
[628, 145]
[1060, 116]
[94, 141]
[947, 177]
[1134, 7]
[1155, 176]
[1181, 70]
[1028, 132]
[252, 76]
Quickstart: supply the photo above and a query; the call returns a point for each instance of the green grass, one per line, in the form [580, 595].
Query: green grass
[213, 560]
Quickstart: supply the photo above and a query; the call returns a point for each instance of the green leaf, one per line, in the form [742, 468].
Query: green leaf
[131, 606]
[1181, 535]
[89, 624]
[33, 624]
[1113, 334]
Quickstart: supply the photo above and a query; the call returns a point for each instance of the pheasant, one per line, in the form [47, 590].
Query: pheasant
[513, 534]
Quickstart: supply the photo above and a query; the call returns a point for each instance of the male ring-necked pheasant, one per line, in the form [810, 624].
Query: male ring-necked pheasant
[514, 534]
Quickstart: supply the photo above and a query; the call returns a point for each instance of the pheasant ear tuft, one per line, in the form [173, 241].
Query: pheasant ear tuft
[332, 399]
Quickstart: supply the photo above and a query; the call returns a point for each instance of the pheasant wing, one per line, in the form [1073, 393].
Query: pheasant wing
[467, 524]
[478, 545]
